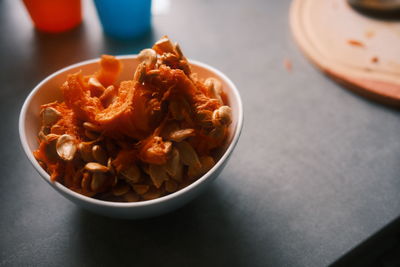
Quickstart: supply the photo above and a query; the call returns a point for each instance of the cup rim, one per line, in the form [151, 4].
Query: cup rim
[93, 201]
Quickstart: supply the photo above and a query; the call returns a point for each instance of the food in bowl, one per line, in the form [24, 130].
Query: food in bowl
[135, 140]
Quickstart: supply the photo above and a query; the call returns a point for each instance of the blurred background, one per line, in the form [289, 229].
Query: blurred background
[314, 180]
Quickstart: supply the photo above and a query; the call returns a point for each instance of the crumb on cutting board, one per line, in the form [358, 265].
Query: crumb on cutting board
[369, 33]
[355, 43]
[374, 59]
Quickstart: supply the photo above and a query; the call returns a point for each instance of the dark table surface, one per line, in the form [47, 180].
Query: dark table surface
[315, 173]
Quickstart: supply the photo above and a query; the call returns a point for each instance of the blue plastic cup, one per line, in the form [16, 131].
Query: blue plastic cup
[124, 19]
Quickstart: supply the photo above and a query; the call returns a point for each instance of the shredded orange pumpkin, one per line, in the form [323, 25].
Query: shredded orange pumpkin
[138, 139]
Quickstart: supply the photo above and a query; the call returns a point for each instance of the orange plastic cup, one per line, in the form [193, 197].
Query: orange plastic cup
[54, 15]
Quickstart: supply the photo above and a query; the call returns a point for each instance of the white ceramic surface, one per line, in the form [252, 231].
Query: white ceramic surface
[48, 90]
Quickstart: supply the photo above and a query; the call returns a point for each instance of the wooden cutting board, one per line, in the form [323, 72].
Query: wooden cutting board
[360, 52]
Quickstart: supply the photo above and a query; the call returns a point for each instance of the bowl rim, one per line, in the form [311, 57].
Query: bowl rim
[67, 191]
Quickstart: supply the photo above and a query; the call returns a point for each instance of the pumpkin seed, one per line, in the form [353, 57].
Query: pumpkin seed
[140, 73]
[217, 133]
[168, 58]
[91, 127]
[179, 51]
[57, 129]
[115, 180]
[110, 166]
[178, 174]
[158, 174]
[183, 65]
[168, 129]
[120, 189]
[180, 135]
[42, 136]
[188, 155]
[222, 116]
[66, 147]
[85, 150]
[91, 135]
[149, 57]
[46, 130]
[173, 163]
[160, 147]
[50, 116]
[96, 83]
[152, 194]
[131, 197]
[108, 96]
[99, 154]
[77, 179]
[85, 182]
[95, 167]
[194, 171]
[153, 73]
[207, 163]
[171, 186]
[132, 174]
[141, 188]
[98, 179]
[164, 45]
[50, 149]
[214, 89]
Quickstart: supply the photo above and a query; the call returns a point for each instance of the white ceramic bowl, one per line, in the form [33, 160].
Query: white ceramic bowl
[48, 91]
